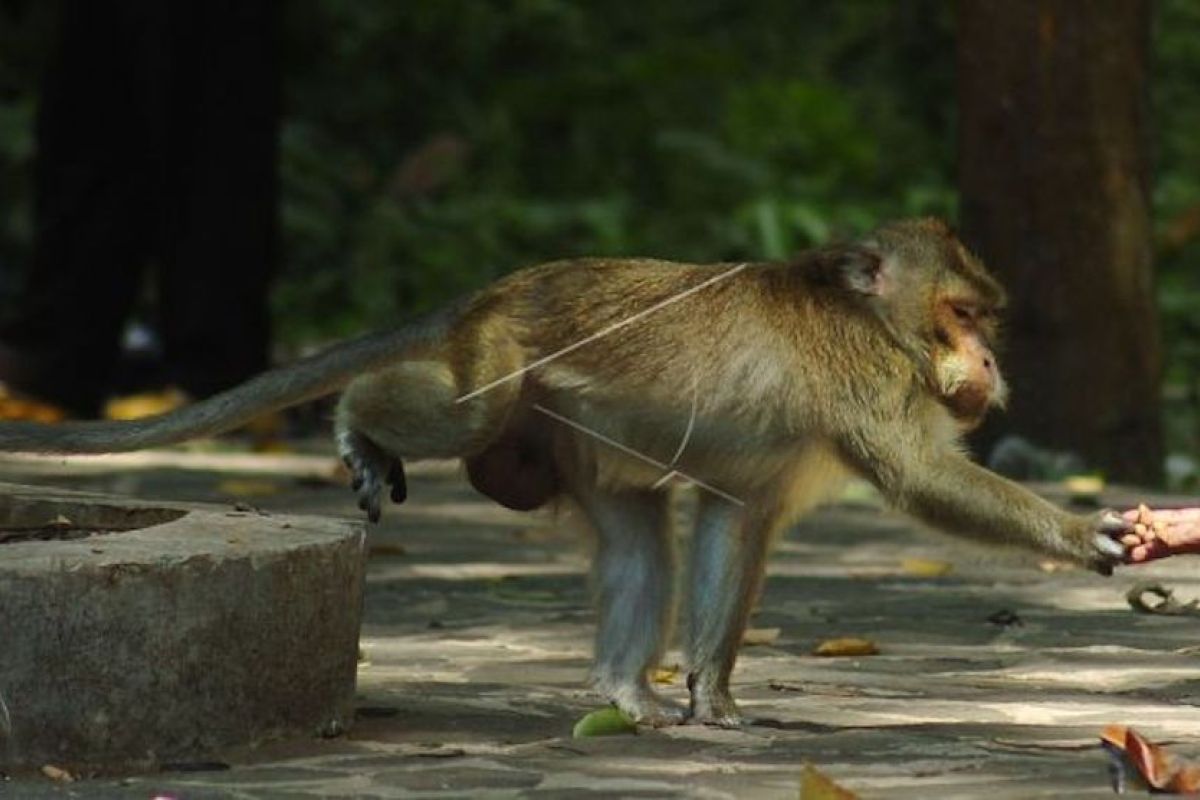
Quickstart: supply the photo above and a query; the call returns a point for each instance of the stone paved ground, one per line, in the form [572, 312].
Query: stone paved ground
[477, 637]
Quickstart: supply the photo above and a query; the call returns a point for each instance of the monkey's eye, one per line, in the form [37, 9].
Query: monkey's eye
[962, 312]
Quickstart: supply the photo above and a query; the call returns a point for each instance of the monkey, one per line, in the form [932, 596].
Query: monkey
[590, 381]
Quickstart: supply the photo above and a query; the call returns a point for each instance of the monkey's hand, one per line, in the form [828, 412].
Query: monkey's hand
[1096, 540]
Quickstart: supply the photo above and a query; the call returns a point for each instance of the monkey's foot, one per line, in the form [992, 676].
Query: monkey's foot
[643, 705]
[713, 706]
[371, 469]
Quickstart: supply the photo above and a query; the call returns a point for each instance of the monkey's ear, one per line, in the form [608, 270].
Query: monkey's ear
[862, 270]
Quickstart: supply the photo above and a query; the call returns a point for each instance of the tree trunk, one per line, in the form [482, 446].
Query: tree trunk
[1054, 181]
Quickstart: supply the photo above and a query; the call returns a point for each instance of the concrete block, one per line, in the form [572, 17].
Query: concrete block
[171, 631]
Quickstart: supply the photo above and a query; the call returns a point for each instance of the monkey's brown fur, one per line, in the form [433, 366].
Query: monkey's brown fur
[768, 384]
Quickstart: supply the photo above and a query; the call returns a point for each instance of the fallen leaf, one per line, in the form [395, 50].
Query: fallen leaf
[1167, 604]
[926, 567]
[248, 487]
[814, 785]
[57, 774]
[1133, 755]
[604, 722]
[12, 408]
[1084, 488]
[666, 674]
[846, 646]
[758, 636]
[146, 404]
[1051, 566]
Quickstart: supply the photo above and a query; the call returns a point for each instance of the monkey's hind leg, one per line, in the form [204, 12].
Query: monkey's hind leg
[727, 562]
[633, 574]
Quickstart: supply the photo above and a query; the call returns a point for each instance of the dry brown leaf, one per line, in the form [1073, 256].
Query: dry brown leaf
[12, 408]
[846, 646]
[815, 785]
[926, 567]
[248, 487]
[1136, 756]
[57, 774]
[757, 636]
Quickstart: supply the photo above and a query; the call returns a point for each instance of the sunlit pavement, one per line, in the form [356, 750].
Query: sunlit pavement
[477, 638]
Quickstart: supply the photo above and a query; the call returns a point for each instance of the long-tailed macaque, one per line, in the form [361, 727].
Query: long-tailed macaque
[592, 380]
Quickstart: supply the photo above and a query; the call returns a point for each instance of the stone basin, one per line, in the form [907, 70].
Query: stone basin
[134, 634]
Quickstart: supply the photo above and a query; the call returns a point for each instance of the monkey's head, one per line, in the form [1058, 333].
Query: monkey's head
[941, 307]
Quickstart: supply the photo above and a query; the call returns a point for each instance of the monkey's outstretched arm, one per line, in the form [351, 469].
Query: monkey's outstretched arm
[948, 491]
[307, 379]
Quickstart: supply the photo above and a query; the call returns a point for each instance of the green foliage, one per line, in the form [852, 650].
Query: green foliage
[697, 130]
[1176, 104]
[433, 145]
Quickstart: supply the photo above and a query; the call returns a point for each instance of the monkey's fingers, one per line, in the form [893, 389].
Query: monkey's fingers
[369, 502]
[398, 481]
[1112, 541]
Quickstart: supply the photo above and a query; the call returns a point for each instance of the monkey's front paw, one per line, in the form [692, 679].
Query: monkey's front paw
[370, 470]
[1102, 548]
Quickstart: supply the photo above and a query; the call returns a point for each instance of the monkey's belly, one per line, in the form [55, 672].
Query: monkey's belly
[794, 475]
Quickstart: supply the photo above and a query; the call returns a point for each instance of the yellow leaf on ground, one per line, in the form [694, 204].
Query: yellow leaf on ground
[145, 404]
[248, 487]
[926, 567]
[816, 786]
[666, 674]
[755, 636]
[847, 646]
[57, 774]
[1084, 487]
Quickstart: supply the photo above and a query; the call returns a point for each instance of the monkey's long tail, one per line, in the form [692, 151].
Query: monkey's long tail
[288, 385]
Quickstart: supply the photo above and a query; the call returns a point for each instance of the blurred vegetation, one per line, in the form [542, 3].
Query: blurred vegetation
[431, 146]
